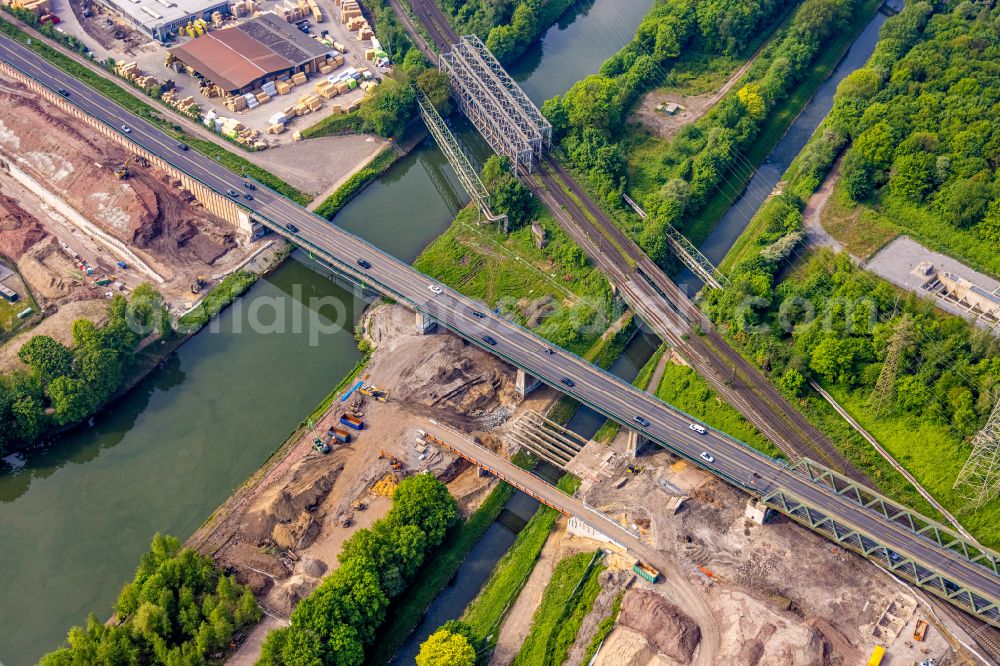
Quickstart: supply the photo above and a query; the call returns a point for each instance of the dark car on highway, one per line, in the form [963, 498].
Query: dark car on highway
[477, 313]
[644, 422]
[248, 196]
[364, 263]
[567, 381]
[182, 146]
[292, 228]
[64, 92]
[233, 193]
[490, 340]
[249, 185]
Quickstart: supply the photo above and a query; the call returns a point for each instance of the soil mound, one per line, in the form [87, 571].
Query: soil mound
[669, 629]
[19, 230]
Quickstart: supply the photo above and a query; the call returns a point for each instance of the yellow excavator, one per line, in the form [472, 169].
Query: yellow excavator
[122, 172]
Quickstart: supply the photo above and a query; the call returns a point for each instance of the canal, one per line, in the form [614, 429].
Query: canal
[736, 219]
[76, 515]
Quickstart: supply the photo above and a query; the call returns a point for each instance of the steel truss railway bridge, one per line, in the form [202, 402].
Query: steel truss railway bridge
[912, 546]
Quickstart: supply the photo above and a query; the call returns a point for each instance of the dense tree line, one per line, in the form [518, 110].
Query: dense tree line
[338, 620]
[925, 129]
[508, 27]
[63, 385]
[508, 194]
[836, 322]
[178, 610]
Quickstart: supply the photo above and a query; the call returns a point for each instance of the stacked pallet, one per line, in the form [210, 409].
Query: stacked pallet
[283, 87]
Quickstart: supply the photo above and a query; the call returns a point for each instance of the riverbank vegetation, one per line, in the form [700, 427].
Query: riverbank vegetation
[567, 599]
[179, 609]
[406, 611]
[224, 293]
[508, 27]
[339, 620]
[63, 385]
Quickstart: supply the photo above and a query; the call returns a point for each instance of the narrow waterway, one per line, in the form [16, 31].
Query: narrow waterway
[472, 575]
[76, 517]
[732, 224]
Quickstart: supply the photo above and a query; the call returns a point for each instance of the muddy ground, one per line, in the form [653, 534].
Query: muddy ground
[172, 235]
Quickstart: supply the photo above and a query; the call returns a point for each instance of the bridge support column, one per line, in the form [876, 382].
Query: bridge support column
[635, 442]
[525, 383]
[424, 323]
[758, 512]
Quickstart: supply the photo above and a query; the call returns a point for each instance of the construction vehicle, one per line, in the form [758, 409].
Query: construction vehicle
[320, 445]
[393, 460]
[122, 172]
[645, 571]
[920, 631]
[358, 505]
[339, 434]
[375, 392]
[199, 284]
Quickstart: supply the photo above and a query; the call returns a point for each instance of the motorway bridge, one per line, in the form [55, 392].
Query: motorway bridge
[913, 547]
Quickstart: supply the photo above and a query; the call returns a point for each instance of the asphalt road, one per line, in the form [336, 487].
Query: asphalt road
[590, 385]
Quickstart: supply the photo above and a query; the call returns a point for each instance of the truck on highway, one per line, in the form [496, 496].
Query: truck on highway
[352, 421]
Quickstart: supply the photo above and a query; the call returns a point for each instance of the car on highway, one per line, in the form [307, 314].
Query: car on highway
[233, 193]
[292, 228]
[249, 185]
[548, 350]
[490, 340]
[436, 289]
[248, 196]
[364, 263]
[697, 428]
[126, 129]
[182, 146]
[707, 457]
[641, 420]
[478, 314]
[567, 381]
[64, 92]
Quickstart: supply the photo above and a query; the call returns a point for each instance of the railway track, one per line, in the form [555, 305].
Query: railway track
[439, 29]
[732, 376]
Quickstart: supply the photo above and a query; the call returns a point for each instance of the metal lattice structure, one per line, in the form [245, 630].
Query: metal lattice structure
[979, 480]
[898, 515]
[978, 603]
[546, 438]
[689, 255]
[885, 386]
[501, 112]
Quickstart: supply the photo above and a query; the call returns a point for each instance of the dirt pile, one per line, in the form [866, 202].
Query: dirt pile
[755, 635]
[667, 628]
[285, 514]
[19, 230]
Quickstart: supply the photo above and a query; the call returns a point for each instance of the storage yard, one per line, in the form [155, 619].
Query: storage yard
[252, 69]
[84, 218]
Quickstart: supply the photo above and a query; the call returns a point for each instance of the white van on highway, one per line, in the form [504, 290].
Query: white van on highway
[697, 428]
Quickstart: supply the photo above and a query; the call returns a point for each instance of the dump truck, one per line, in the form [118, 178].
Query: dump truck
[352, 421]
[920, 631]
[340, 435]
[646, 571]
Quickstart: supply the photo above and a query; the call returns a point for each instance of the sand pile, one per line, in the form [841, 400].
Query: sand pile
[19, 230]
[667, 628]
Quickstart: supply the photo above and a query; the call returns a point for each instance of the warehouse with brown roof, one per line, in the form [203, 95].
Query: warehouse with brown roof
[241, 58]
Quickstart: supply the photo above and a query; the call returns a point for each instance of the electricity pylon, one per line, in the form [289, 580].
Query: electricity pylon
[886, 383]
[979, 480]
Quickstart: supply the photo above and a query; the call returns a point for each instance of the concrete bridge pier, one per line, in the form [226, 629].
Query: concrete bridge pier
[635, 442]
[525, 383]
[424, 323]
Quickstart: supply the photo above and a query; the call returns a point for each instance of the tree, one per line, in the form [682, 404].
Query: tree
[750, 98]
[443, 648]
[593, 102]
[833, 358]
[46, 357]
[509, 195]
[911, 176]
[435, 84]
[389, 107]
[424, 501]
[71, 400]
[964, 202]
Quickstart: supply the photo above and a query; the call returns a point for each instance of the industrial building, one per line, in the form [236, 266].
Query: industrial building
[241, 58]
[160, 19]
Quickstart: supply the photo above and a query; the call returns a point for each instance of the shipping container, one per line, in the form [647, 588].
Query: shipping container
[352, 421]
[646, 571]
[9, 294]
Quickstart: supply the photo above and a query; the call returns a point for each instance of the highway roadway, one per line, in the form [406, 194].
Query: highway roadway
[566, 372]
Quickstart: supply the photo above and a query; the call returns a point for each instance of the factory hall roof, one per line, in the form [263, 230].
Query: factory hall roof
[235, 57]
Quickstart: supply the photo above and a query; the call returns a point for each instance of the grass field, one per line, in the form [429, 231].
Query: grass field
[685, 389]
[568, 597]
[933, 454]
[603, 629]
[407, 609]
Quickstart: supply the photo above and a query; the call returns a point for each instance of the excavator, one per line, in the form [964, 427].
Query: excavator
[122, 172]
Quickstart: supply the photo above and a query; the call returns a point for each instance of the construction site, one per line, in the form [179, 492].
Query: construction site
[82, 218]
[776, 593]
